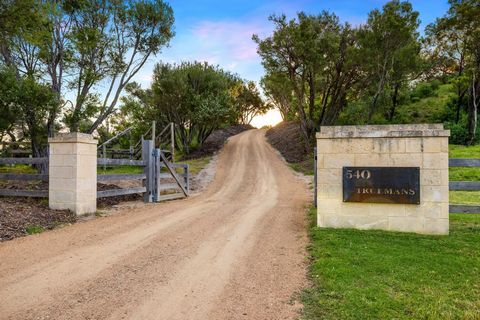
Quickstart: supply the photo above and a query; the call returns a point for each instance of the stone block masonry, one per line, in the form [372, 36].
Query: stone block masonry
[73, 173]
[420, 145]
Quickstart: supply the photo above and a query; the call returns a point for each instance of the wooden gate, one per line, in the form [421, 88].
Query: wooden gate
[161, 181]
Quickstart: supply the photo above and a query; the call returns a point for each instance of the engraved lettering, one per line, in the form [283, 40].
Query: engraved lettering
[381, 184]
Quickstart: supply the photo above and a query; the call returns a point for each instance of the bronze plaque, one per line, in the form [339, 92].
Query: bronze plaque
[381, 184]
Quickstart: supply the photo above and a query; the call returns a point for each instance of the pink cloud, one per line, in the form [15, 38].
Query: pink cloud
[231, 37]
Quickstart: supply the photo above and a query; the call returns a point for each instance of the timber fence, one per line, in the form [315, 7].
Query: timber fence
[464, 185]
[24, 177]
[453, 185]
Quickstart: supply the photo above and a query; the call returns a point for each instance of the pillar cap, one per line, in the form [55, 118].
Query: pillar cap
[73, 137]
[383, 131]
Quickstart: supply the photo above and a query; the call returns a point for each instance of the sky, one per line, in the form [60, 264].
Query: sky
[220, 32]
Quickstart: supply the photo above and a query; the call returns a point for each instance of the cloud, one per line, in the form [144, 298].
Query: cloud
[233, 38]
[224, 42]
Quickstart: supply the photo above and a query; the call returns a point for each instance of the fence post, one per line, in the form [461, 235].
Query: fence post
[147, 157]
[158, 170]
[315, 184]
[186, 177]
[172, 137]
[104, 154]
[153, 133]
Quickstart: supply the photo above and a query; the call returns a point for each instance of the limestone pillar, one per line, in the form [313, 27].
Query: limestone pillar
[420, 146]
[73, 173]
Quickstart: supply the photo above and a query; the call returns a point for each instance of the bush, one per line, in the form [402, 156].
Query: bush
[424, 90]
[459, 133]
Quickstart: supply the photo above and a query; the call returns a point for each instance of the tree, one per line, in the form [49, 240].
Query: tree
[140, 29]
[277, 89]
[8, 110]
[390, 41]
[248, 102]
[456, 38]
[25, 104]
[312, 59]
[76, 46]
[197, 97]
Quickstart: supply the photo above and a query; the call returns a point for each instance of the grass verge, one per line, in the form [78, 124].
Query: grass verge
[305, 166]
[386, 275]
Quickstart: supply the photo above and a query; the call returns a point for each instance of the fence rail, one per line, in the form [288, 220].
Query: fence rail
[117, 177]
[24, 193]
[120, 162]
[464, 185]
[120, 192]
[461, 208]
[122, 176]
[24, 177]
[24, 160]
[457, 162]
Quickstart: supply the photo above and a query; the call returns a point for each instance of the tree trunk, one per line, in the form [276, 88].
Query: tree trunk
[473, 111]
[311, 98]
[394, 101]
[381, 85]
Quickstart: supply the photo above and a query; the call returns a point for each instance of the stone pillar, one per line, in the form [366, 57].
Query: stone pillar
[423, 146]
[73, 173]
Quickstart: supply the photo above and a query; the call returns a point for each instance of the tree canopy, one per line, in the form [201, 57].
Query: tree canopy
[77, 46]
[322, 72]
[197, 97]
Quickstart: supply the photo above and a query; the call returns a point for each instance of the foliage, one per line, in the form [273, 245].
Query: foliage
[314, 59]
[390, 39]
[77, 46]
[455, 42]
[34, 229]
[315, 66]
[322, 72]
[28, 102]
[197, 97]
[248, 102]
[384, 275]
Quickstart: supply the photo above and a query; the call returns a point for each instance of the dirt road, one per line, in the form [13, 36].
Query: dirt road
[236, 251]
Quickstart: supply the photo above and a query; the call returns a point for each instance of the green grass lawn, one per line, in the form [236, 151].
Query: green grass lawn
[17, 168]
[305, 167]
[196, 165]
[386, 275]
[456, 151]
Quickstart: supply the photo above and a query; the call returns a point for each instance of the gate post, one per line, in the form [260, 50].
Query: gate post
[73, 173]
[147, 157]
[158, 170]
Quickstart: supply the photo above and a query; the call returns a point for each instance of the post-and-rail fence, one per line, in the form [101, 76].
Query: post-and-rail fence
[24, 177]
[165, 140]
[453, 185]
[464, 185]
[160, 178]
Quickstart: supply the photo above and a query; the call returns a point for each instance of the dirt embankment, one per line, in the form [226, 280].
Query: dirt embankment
[287, 138]
[216, 141]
